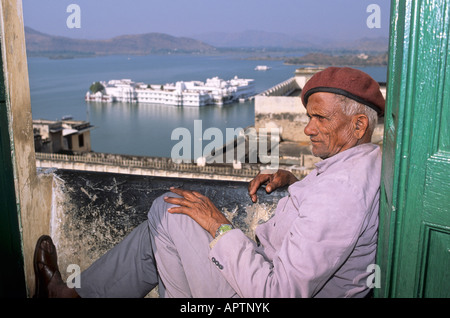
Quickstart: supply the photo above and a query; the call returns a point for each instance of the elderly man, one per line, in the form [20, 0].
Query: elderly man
[319, 243]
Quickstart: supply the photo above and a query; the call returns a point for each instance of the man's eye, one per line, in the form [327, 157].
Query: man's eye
[315, 116]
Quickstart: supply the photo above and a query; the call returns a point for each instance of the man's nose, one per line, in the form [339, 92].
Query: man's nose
[310, 129]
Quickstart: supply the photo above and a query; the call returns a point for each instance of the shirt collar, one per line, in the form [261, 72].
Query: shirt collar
[325, 164]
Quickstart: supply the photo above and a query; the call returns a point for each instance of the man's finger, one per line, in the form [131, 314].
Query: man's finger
[178, 201]
[273, 184]
[198, 195]
[180, 210]
[253, 188]
[184, 193]
[255, 184]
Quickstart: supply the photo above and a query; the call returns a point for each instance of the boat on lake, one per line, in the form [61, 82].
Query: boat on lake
[262, 68]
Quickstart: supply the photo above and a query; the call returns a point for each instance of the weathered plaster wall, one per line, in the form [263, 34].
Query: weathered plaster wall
[284, 112]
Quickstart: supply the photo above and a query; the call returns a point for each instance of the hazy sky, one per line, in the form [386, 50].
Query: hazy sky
[100, 19]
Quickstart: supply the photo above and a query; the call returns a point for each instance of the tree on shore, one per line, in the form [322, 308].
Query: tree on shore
[96, 87]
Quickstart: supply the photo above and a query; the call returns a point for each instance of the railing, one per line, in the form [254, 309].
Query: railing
[158, 163]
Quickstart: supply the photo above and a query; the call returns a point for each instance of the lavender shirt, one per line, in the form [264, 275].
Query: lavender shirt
[321, 239]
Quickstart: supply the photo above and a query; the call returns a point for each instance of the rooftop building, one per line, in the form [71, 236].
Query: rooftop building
[64, 136]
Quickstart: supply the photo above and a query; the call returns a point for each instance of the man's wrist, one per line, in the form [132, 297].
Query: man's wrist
[223, 228]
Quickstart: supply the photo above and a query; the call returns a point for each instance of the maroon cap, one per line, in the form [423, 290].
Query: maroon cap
[349, 82]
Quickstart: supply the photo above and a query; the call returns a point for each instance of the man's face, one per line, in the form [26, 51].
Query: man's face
[329, 129]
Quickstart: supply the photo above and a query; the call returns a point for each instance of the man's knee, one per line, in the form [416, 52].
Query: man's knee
[158, 212]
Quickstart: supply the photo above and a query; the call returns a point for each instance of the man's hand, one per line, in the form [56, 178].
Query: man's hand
[273, 181]
[198, 207]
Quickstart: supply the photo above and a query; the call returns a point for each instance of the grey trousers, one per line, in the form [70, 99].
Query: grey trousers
[169, 249]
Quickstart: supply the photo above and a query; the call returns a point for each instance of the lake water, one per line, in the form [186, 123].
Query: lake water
[58, 87]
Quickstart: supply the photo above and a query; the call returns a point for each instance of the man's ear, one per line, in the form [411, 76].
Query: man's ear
[360, 125]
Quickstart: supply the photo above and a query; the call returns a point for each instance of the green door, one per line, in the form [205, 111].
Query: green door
[12, 275]
[414, 244]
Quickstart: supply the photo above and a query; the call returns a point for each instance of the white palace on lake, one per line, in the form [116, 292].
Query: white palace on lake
[214, 91]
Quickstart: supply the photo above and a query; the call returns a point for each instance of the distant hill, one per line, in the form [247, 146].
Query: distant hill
[252, 39]
[41, 44]
[264, 39]
[368, 45]
[321, 59]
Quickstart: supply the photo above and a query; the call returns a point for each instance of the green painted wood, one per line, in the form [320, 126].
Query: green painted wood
[12, 276]
[414, 245]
